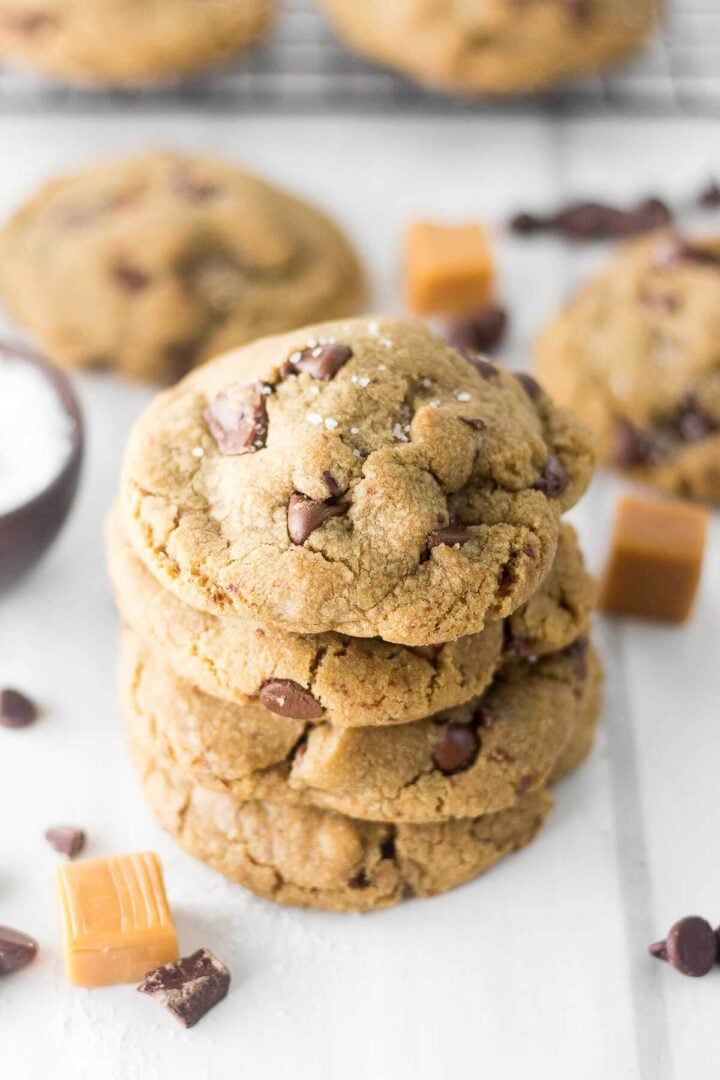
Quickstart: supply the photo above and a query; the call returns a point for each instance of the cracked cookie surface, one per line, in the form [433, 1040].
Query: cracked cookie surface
[308, 857]
[493, 46]
[475, 759]
[636, 354]
[123, 43]
[152, 264]
[348, 681]
[358, 477]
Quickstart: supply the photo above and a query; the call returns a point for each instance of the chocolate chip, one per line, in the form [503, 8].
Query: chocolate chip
[387, 848]
[588, 220]
[457, 749]
[692, 422]
[577, 653]
[635, 446]
[359, 880]
[321, 361]
[331, 483]
[709, 197]
[691, 946]
[16, 710]
[513, 643]
[553, 480]
[523, 785]
[190, 987]
[480, 332]
[238, 420]
[288, 698]
[484, 718]
[525, 224]
[531, 386]
[450, 535]
[482, 365]
[474, 422]
[680, 250]
[305, 515]
[66, 840]
[130, 278]
[17, 950]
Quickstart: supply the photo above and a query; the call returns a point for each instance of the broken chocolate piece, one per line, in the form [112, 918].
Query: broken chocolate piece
[17, 950]
[66, 840]
[305, 515]
[288, 698]
[457, 749]
[691, 947]
[480, 332]
[321, 361]
[16, 710]
[190, 987]
[238, 420]
[553, 480]
[450, 535]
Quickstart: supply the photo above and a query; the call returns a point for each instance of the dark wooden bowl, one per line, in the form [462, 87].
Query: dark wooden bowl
[28, 531]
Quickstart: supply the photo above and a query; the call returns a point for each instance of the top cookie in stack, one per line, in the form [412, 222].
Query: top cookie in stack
[359, 477]
[358, 629]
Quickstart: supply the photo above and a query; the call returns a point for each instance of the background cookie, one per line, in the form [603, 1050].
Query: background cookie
[151, 264]
[354, 682]
[316, 858]
[125, 43]
[635, 354]
[475, 759]
[360, 477]
[492, 46]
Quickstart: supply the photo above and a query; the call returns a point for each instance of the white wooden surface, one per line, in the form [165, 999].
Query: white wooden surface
[538, 968]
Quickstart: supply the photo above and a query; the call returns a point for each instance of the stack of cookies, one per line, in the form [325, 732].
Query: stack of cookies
[356, 650]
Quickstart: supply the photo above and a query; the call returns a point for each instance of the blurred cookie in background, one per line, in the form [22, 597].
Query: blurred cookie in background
[150, 265]
[126, 43]
[635, 353]
[492, 46]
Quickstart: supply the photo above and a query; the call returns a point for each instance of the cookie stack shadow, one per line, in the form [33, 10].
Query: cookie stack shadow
[326, 766]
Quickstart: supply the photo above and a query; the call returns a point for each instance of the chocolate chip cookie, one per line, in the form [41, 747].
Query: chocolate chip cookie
[493, 46]
[308, 857]
[359, 477]
[475, 759]
[124, 43]
[149, 265]
[636, 354]
[348, 681]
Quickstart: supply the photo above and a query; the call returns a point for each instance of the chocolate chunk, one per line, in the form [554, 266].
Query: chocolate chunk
[480, 332]
[238, 420]
[473, 422]
[288, 698]
[531, 386]
[305, 515]
[589, 220]
[130, 278]
[525, 224]
[190, 987]
[321, 361]
[16, 710]
[553, 480]
[17, 950]
[691, 947]
[66, 840]
[577, 653]
[450, 534]
[482, 365]
[709, 197]
[387, 847]
[359, 880]
[331, 483]
[457, 749]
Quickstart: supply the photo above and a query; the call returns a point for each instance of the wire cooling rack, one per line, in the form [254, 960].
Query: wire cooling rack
[303, 68]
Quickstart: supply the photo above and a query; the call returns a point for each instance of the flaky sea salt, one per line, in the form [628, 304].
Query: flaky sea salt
[35, 433]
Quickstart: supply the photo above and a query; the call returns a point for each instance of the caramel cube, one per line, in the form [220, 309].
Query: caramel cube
[116, 922]
[449, 269]
[655, 559]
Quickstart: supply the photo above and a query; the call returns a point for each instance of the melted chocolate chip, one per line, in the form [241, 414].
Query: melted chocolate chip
[66, 840]
[331, 483]
[288, 698]
[553, 480]
[359, 880]
[321, 361]
[450, 535]
[484, 718]
[473, 422]
[16, 710]
[190, 987]
[577, 653]
[387, 848]
[130, 278]
[238, 420]
[691, 947]
[523, 785]
[17, 950]
[482, 365]
[480, 332]
[457, 749]
[531, 386]
[305, 515]
[525, 224]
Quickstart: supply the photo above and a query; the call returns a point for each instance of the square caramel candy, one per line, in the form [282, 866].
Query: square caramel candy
[449, 268]
[655, 561]
[116, 922]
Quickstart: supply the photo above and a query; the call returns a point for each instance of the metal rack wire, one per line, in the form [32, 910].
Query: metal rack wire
[303, 68]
